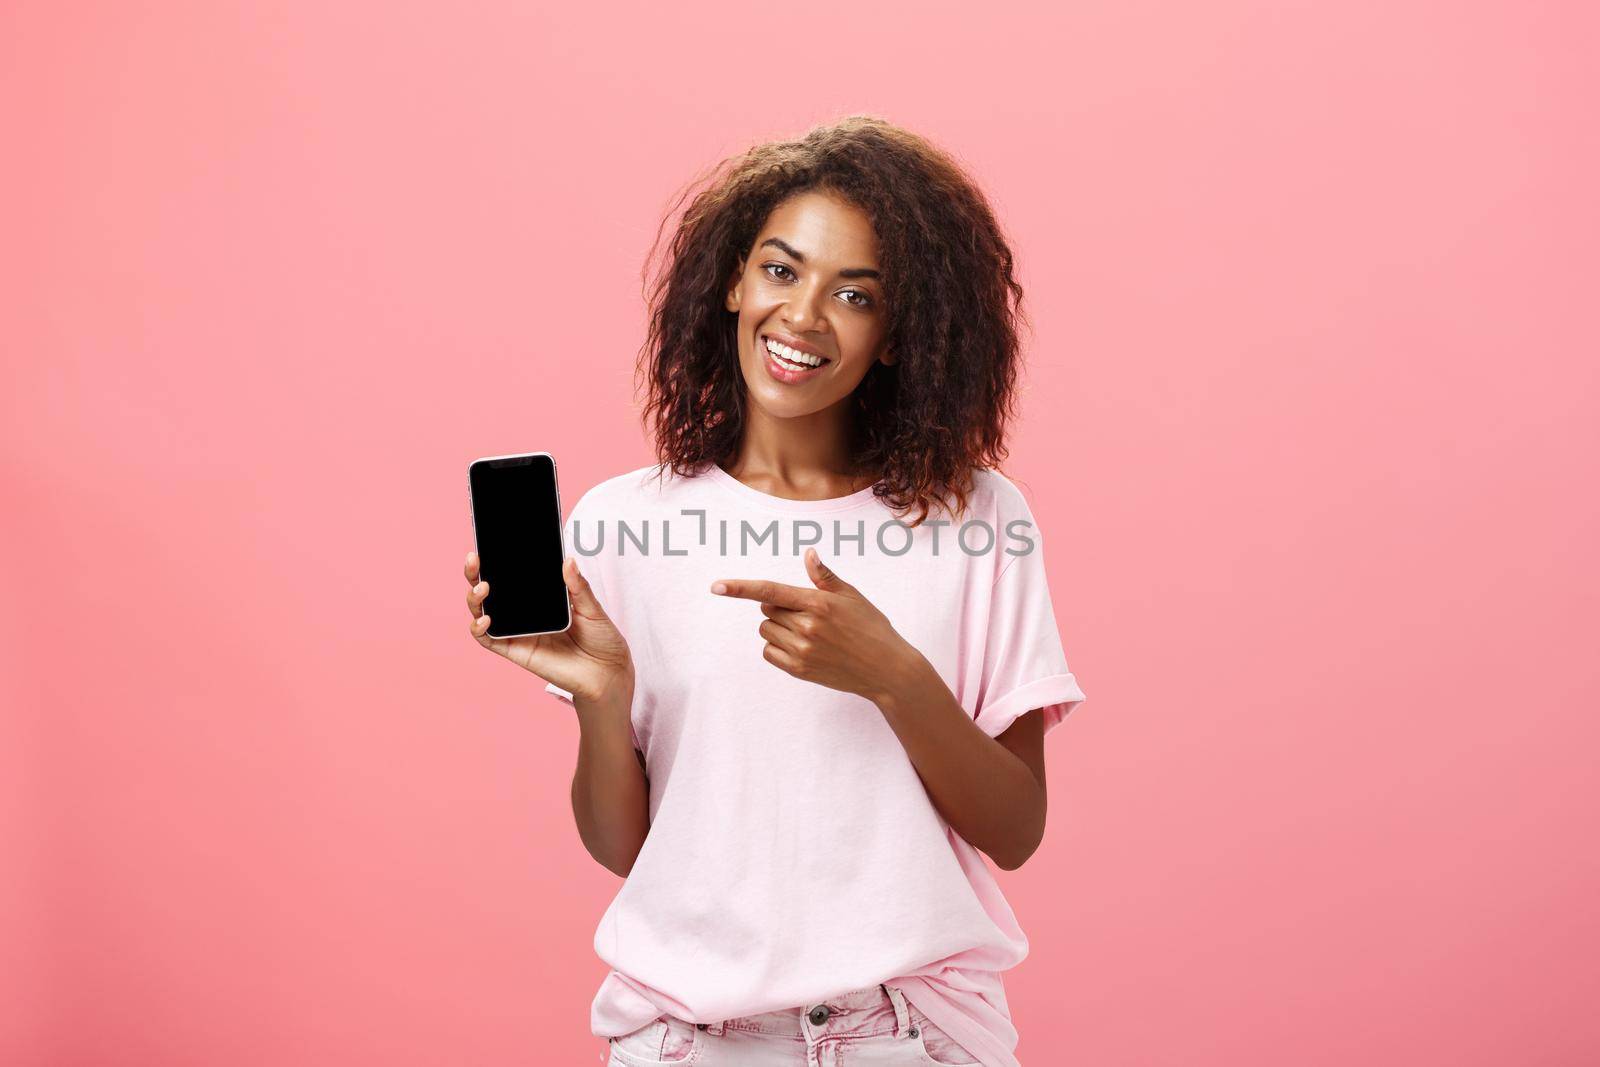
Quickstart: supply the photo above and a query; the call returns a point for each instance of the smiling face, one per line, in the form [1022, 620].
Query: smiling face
[811, 309]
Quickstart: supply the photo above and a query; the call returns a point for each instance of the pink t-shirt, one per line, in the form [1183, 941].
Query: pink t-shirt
[793, 852]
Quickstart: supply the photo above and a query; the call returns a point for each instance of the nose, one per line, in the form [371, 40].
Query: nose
[802, 314]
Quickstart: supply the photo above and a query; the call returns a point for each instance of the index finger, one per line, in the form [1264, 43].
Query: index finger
[785, 596]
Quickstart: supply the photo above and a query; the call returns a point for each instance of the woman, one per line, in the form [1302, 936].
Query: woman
[795, 764]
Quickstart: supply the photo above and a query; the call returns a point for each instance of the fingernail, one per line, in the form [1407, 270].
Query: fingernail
[719, 587]
[478, 589]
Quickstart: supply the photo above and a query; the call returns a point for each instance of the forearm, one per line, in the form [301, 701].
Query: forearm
[980, 787]
[610, 794]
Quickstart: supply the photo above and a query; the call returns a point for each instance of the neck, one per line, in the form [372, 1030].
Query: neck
[807, 457]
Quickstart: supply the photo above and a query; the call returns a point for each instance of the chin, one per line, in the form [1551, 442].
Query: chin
[779, 405]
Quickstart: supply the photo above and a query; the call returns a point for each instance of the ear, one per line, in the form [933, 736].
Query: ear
[731, 301]
[888, 358]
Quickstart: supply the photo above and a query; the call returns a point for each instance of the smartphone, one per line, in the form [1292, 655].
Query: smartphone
[516, 522]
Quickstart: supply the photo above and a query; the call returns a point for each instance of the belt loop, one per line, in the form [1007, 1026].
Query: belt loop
[714, 1028]
[902, 1017]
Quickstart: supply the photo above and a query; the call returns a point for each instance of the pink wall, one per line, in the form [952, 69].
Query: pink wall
[1310, 422]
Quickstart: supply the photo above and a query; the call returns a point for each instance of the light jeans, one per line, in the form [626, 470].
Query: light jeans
[871, 1027]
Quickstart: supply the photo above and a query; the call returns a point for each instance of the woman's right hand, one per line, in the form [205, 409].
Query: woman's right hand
[590, 659]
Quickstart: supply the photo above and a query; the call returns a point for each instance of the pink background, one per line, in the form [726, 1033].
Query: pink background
[1310, 423]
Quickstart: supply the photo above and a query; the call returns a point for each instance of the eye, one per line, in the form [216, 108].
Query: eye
[866, 300]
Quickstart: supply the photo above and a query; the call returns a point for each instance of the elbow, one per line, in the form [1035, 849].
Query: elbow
[618, 861]
[616, 856]
[1020, 850]
[1012, 861]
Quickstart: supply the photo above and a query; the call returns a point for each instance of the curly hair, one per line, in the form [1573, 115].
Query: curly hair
[952, 303]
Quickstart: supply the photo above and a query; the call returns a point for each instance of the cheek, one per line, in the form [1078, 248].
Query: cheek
[759, 294]
[861, 348]
[754, 312]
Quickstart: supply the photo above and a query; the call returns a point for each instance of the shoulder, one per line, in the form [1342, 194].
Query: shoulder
[1003, 504]
[995, 497]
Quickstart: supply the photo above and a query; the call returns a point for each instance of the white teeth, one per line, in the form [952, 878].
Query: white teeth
[801, 360]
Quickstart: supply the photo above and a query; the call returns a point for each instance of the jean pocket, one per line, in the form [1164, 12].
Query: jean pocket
[661, 1041]
[939, 1047]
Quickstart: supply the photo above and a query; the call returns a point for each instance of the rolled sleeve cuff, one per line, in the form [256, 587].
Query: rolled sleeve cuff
[1057, 694]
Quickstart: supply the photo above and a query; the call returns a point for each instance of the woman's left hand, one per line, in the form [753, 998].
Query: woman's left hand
[830, 635]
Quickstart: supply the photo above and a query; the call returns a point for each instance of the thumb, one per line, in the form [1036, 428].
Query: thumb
[583, 597]
[822, 577]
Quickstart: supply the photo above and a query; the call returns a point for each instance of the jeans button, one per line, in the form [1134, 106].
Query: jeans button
[819, 1015]
[699, 1026]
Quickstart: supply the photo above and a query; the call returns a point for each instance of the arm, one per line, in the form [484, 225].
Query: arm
[588, 664]
[610, 794]
[991, 790]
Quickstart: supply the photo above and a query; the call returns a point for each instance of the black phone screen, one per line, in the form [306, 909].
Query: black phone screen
[516, 517]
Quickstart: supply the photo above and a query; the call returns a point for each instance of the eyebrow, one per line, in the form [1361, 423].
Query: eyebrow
[848, 272]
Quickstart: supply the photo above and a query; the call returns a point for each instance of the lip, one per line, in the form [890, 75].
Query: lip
[778, 371]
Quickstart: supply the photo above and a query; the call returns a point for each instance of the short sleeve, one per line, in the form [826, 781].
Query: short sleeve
[1024, 665]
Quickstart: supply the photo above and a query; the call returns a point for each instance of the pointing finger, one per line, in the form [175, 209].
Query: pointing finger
[785, 596]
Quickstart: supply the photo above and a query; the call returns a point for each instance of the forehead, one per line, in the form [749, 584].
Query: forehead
[828, 231]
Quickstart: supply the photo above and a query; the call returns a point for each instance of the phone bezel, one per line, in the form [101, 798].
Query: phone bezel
[561, 536]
